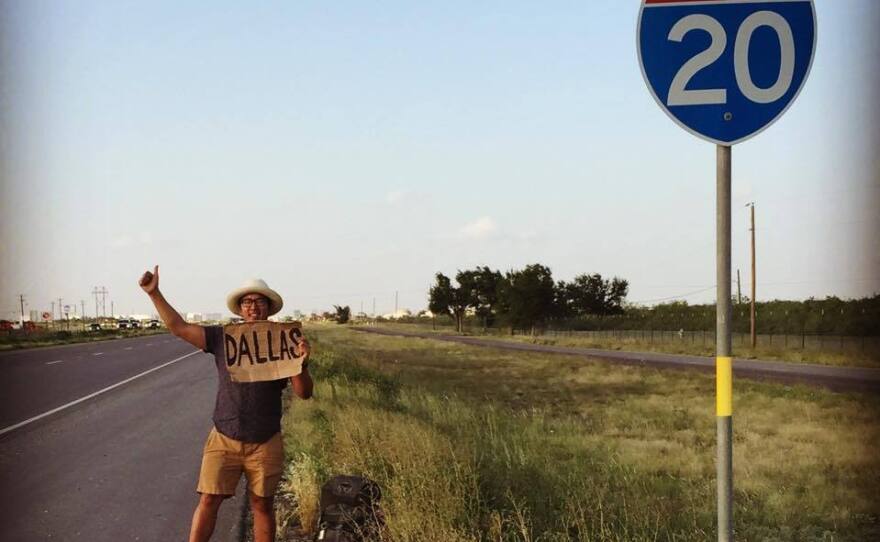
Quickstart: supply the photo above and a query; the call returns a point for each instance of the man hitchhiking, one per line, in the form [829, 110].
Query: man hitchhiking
[247, 416]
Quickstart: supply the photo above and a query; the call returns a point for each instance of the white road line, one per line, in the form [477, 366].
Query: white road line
[54, 362]
[98, 354]
[149, 344]
[128, 347]
[87, 397]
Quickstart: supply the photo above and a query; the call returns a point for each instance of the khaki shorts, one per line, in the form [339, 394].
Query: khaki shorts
[224, 459]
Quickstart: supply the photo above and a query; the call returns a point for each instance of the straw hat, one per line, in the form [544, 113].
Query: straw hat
[254, 286]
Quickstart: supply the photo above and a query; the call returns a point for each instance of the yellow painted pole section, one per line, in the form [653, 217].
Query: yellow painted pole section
[724, 386]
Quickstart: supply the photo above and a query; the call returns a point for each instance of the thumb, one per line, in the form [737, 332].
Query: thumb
[156, 271]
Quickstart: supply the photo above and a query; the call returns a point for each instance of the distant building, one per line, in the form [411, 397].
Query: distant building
[195, 317]
[212, 317]
[34, 316]
[401, 313]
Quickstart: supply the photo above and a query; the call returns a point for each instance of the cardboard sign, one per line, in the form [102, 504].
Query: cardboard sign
[261, 351]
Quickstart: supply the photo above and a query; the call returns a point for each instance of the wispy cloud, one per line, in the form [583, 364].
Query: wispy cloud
[482, 228]
[394, 197]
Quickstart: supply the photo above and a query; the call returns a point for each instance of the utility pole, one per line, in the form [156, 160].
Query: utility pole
[752, 229]
[395, 302]
[21, 299]
[374, 307]
[112, 309]
[82, 304]
[53, 310]
[103, 293]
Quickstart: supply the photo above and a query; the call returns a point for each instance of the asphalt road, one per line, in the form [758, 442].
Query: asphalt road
[122, 465]
[834, 378]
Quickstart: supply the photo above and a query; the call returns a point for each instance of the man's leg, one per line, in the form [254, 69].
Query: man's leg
[205, 517]
[264, 517]
[262, 466]
[220, 472]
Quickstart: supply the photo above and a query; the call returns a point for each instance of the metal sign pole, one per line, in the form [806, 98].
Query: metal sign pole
[735, 109]
[723, 360]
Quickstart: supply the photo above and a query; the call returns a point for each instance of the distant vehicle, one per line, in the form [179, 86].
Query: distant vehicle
[6, 325]
[123, 324]
[153, 324]
[134, 324]
[94, 327]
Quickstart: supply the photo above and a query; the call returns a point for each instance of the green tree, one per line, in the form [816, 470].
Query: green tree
[528, 297]
[480, 291]
[343, 314]
[591, 295]
[443, 298]
[615, 295]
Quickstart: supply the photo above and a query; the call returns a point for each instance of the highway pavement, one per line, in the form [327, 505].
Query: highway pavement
[120, 465]
[835, 378]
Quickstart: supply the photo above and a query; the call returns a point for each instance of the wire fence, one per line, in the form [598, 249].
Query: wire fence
[810, 342]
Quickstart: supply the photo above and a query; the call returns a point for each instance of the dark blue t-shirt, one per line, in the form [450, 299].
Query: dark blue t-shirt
[247, 411]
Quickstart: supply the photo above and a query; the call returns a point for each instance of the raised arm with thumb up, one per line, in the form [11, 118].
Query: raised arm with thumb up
[150, 281]
[191, 333]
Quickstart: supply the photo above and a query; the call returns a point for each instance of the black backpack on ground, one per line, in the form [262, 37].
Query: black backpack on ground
[350, 510]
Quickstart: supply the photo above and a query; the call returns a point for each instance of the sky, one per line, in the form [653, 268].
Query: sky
[346, 151]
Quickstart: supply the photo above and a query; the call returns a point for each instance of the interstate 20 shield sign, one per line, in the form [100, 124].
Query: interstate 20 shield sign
[725, 70]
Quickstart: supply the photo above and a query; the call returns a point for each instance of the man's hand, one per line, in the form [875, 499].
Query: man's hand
[302, 383]
[150, 281]
[303, 349]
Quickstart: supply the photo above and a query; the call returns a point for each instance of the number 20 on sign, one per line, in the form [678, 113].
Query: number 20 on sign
[724, 70]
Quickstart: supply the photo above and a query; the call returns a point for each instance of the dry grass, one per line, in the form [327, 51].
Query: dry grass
[845, 358]
[480, 444]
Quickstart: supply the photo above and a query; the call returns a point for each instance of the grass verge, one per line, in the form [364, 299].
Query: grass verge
[473, 444]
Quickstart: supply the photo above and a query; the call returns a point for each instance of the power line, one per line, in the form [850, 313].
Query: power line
[675, 296]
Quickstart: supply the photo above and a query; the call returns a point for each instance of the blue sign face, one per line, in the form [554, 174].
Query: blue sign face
[726, 69]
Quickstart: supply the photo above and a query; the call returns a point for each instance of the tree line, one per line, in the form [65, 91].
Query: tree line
[829, 316]
[525, 298]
